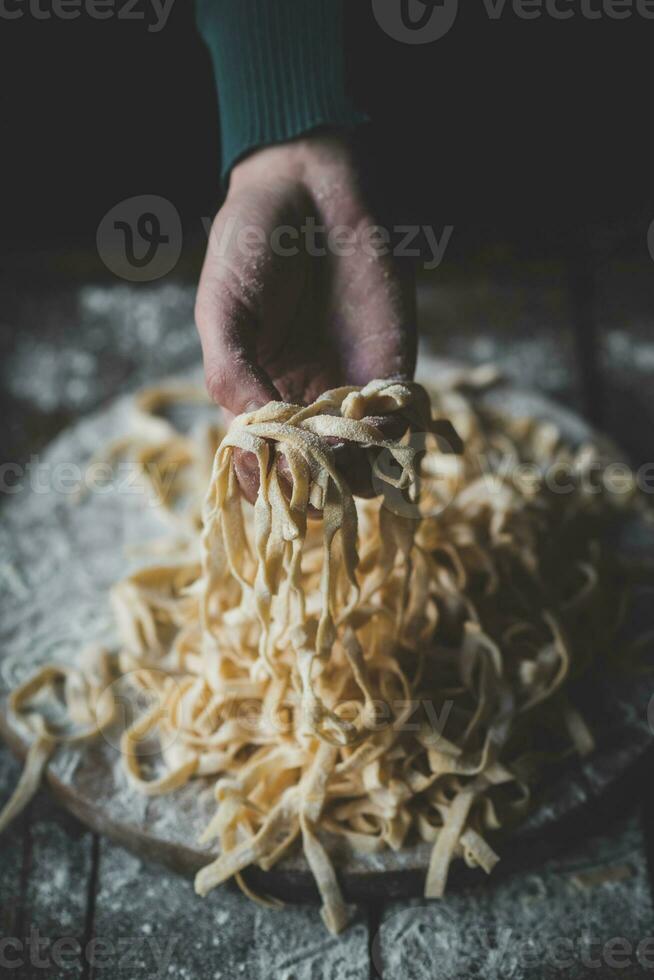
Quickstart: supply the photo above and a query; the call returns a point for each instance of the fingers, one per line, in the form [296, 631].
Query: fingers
[235, 380]
[379, 340]
[353, 460]
[246, 467]
[227, 331]
[449, 440]
[241, 311]
[229, 311]
[354, 465]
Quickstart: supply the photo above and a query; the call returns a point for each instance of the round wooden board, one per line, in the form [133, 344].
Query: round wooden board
[58, 558]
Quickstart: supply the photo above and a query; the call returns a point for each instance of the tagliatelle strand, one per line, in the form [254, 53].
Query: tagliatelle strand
[396, 669]
[89, 702]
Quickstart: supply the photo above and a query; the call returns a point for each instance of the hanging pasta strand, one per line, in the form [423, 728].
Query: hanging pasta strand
[384, 671]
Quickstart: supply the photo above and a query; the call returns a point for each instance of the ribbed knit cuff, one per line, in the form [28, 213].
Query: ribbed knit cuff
[280, 70]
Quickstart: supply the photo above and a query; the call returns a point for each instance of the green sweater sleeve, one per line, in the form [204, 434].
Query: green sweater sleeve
[280, 69]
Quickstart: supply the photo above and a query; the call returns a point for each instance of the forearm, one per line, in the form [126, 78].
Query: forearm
[280, 70]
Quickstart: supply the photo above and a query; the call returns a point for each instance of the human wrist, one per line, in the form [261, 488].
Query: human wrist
[298, 158]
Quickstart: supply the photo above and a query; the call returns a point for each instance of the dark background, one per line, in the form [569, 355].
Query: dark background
[507, 129]
[95, 111]
[533, 139]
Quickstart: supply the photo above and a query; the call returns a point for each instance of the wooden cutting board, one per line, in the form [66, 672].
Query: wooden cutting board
[58, 558]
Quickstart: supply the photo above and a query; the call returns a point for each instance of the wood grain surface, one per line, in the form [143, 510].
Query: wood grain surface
[74, 348]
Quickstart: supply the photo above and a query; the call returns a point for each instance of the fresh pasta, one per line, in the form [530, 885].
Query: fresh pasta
[386, 669]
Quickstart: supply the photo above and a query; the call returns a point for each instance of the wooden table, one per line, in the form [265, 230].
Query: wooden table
[77, 906]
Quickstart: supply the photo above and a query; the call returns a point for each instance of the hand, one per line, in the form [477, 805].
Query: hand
[277, 320]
